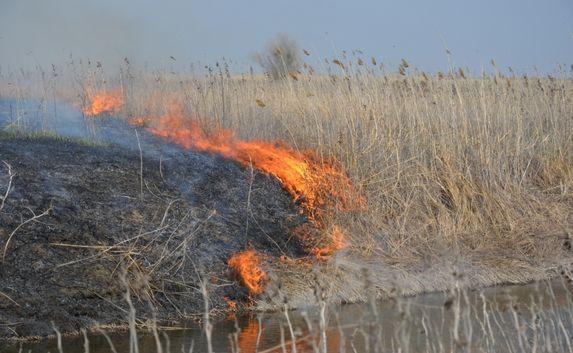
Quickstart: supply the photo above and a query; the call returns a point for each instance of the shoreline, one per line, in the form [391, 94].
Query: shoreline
[119, 328]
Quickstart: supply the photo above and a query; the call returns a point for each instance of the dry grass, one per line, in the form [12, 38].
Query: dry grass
[477, 166]
[482, 165]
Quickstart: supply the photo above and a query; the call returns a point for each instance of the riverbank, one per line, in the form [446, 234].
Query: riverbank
[85, 223]
[484, 320]
[443, 181]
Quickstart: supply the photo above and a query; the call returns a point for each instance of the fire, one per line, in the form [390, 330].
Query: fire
[319, 185]
[313, 182]
[231, 304]
[104, 102]
[247, 265]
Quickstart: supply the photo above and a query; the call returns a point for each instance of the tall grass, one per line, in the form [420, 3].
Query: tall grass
[477, 165]
[480, 166]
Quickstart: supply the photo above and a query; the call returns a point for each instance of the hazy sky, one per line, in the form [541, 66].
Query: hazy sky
[521, 33]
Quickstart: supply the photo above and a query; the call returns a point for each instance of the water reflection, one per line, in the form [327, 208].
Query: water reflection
[536, 317]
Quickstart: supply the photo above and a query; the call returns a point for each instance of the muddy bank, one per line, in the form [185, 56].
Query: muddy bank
[108, 221]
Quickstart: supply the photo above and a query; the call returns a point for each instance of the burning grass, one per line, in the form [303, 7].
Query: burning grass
[406, 171]
[247, 265]
[104, 102]
[447, 166]
[317, 185]
[320, 187]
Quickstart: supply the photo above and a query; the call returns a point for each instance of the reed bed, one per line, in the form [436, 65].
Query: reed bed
[480, 166]
[473, 167]
[476, 166]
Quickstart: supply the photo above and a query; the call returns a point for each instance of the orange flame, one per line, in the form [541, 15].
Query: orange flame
[307, 179]
[319, 185]
[231, 304]
[104, 102]
[247, 265]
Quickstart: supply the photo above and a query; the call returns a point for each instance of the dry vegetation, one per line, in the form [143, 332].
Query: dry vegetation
[450, 165]
[482, 165]
[477, 166]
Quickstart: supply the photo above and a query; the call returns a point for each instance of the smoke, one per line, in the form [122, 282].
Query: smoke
[39, 32]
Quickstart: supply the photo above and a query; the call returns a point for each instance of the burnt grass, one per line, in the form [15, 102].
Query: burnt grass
[152, 228]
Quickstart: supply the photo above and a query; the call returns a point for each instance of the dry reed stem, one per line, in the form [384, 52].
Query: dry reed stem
[34, 218]
[9, 186]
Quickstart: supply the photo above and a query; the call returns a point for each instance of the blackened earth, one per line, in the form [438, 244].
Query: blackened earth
[151, 223]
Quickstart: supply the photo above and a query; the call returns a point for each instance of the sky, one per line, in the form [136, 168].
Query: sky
[527, 35]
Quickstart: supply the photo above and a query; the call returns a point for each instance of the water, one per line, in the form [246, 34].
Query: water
[502, 319]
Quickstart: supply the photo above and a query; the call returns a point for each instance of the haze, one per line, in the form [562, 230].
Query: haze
[524, 34]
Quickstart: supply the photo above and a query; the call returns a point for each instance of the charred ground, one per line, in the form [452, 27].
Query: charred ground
[156, 226]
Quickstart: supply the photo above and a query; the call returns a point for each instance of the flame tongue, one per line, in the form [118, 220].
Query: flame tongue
[290, 167]
[300, 173]
[247, 265]
[104, 102]
[320, 186]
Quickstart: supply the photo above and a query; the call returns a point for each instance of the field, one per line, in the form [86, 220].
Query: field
[418, 182]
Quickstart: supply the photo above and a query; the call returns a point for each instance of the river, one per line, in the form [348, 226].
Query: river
[518, 318]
